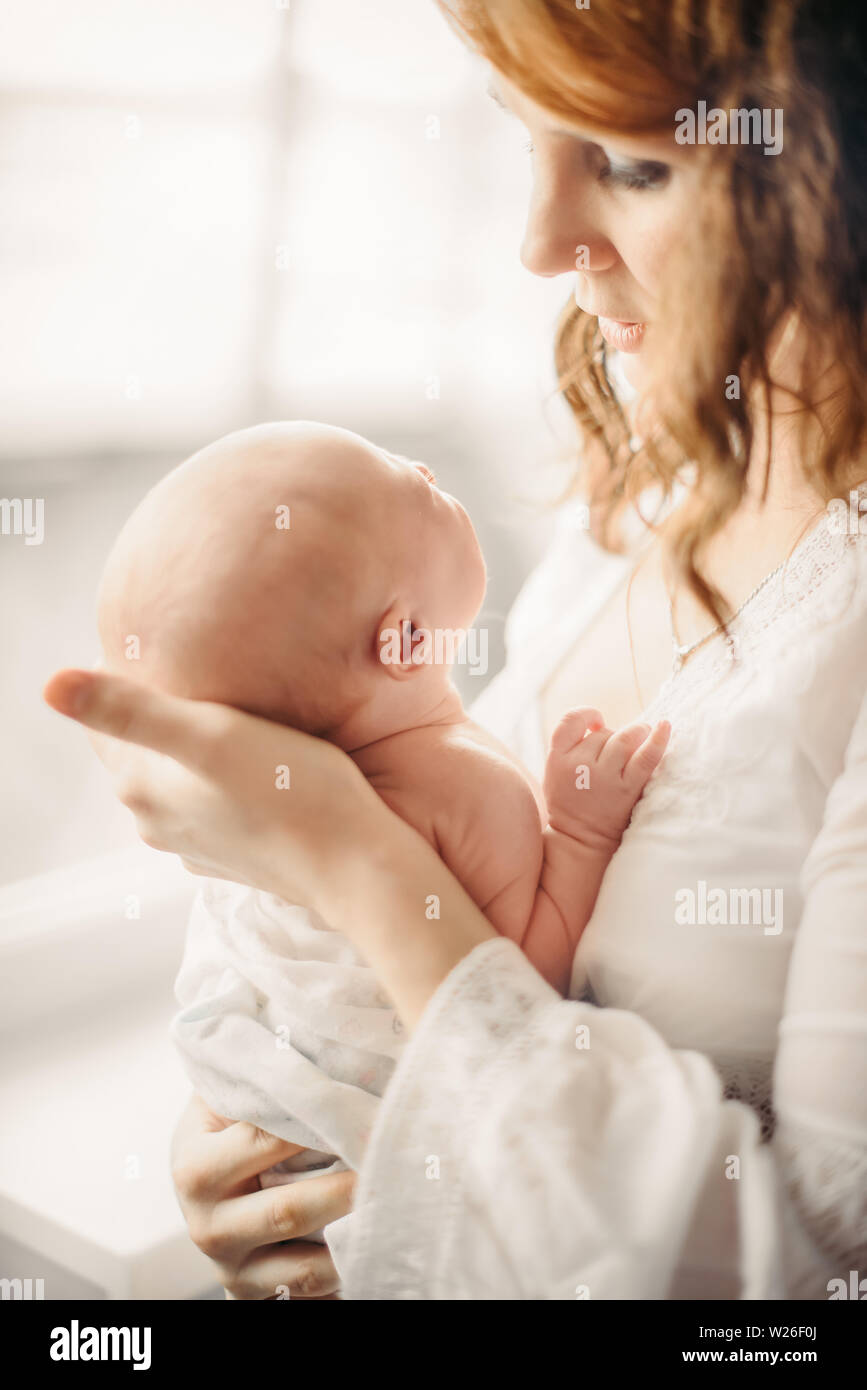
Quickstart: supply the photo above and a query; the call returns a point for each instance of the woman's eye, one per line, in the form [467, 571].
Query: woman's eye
[646, 175]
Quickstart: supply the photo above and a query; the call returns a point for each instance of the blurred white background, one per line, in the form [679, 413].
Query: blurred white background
[215, 212]
[222, 211]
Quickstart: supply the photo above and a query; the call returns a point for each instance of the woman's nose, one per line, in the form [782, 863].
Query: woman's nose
[560, 235]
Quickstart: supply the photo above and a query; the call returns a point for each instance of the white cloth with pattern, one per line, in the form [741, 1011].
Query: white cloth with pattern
[283, 1025]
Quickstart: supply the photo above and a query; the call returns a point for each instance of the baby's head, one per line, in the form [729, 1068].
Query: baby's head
[267, 571]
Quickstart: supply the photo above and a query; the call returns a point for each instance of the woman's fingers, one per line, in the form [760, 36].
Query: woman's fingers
[212, 1157]
[134, 713]
[209, 783]
[290, 1211]
[243, 1151]
[302, 1270]
[198, 1118]
[242, 1227]
[229, 1230]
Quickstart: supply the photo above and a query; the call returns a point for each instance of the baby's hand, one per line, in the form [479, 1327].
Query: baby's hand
[594, 777]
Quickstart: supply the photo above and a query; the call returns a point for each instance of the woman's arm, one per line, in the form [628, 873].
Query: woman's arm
[820, 1081]
[530, 1147]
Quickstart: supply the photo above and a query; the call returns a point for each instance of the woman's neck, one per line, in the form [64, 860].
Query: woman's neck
[796, 432]
[784, 496]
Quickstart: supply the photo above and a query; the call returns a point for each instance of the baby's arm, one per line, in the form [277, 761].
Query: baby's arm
[536, 886]
[593, 778]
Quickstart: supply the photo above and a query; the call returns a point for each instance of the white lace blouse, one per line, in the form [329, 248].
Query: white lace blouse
[693, 1121]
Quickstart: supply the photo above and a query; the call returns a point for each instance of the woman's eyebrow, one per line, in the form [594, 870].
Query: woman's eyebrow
[631, 161]
[495, 96]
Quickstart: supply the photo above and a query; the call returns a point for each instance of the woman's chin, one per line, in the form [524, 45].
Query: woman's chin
[631, 365]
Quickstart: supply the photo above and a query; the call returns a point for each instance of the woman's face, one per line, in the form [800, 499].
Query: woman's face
[608, 211]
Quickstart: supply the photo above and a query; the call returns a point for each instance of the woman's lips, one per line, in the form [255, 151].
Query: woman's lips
[625, 337]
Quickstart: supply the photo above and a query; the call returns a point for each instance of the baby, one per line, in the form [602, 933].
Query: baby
[300, 573]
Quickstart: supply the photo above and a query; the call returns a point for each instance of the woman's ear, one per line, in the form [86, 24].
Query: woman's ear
[397, 637]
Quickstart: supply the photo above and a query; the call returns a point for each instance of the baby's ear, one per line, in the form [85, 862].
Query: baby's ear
[397, 637]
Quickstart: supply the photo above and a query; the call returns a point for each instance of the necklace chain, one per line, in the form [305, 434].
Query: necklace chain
[681, 653]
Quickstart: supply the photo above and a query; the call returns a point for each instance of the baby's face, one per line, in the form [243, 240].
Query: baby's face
[438, 559]
[261, 572]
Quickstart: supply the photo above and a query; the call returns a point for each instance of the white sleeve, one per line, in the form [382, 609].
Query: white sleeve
[518, 1156]
[820, 1083]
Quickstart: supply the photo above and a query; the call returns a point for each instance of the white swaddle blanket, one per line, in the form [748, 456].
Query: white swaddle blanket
[283, 1025]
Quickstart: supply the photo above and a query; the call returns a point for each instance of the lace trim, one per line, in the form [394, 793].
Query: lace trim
[746, 1079]
[418, 1239]
[379, 1260]
[824, 581]
[823, 572]
[750, 1081]
[826, 1179]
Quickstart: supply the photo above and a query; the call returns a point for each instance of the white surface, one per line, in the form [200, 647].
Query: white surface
[90, 1086]
[92, 1107]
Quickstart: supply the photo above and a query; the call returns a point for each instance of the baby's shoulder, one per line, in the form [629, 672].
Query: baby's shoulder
[489, 817]
[472, 800]
[457, 775]
[493, 758]
[472, 777]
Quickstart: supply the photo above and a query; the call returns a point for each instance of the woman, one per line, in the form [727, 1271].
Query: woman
[693, 1121]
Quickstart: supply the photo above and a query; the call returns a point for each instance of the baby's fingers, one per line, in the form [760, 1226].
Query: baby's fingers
[621, 746]
[647, 757]
[573, 727]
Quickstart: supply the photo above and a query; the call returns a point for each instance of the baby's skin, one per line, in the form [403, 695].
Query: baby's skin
[272, 572]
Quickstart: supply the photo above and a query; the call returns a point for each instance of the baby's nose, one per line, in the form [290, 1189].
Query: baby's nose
[423, 469]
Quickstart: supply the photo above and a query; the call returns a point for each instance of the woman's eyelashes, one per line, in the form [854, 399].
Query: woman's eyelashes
[640, 174]
[643, 174]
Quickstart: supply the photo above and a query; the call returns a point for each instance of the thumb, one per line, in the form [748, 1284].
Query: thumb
[123, 709]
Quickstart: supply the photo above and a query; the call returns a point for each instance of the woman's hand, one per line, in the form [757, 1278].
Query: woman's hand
[241, 1226]
[241, 798]
[236, 797]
